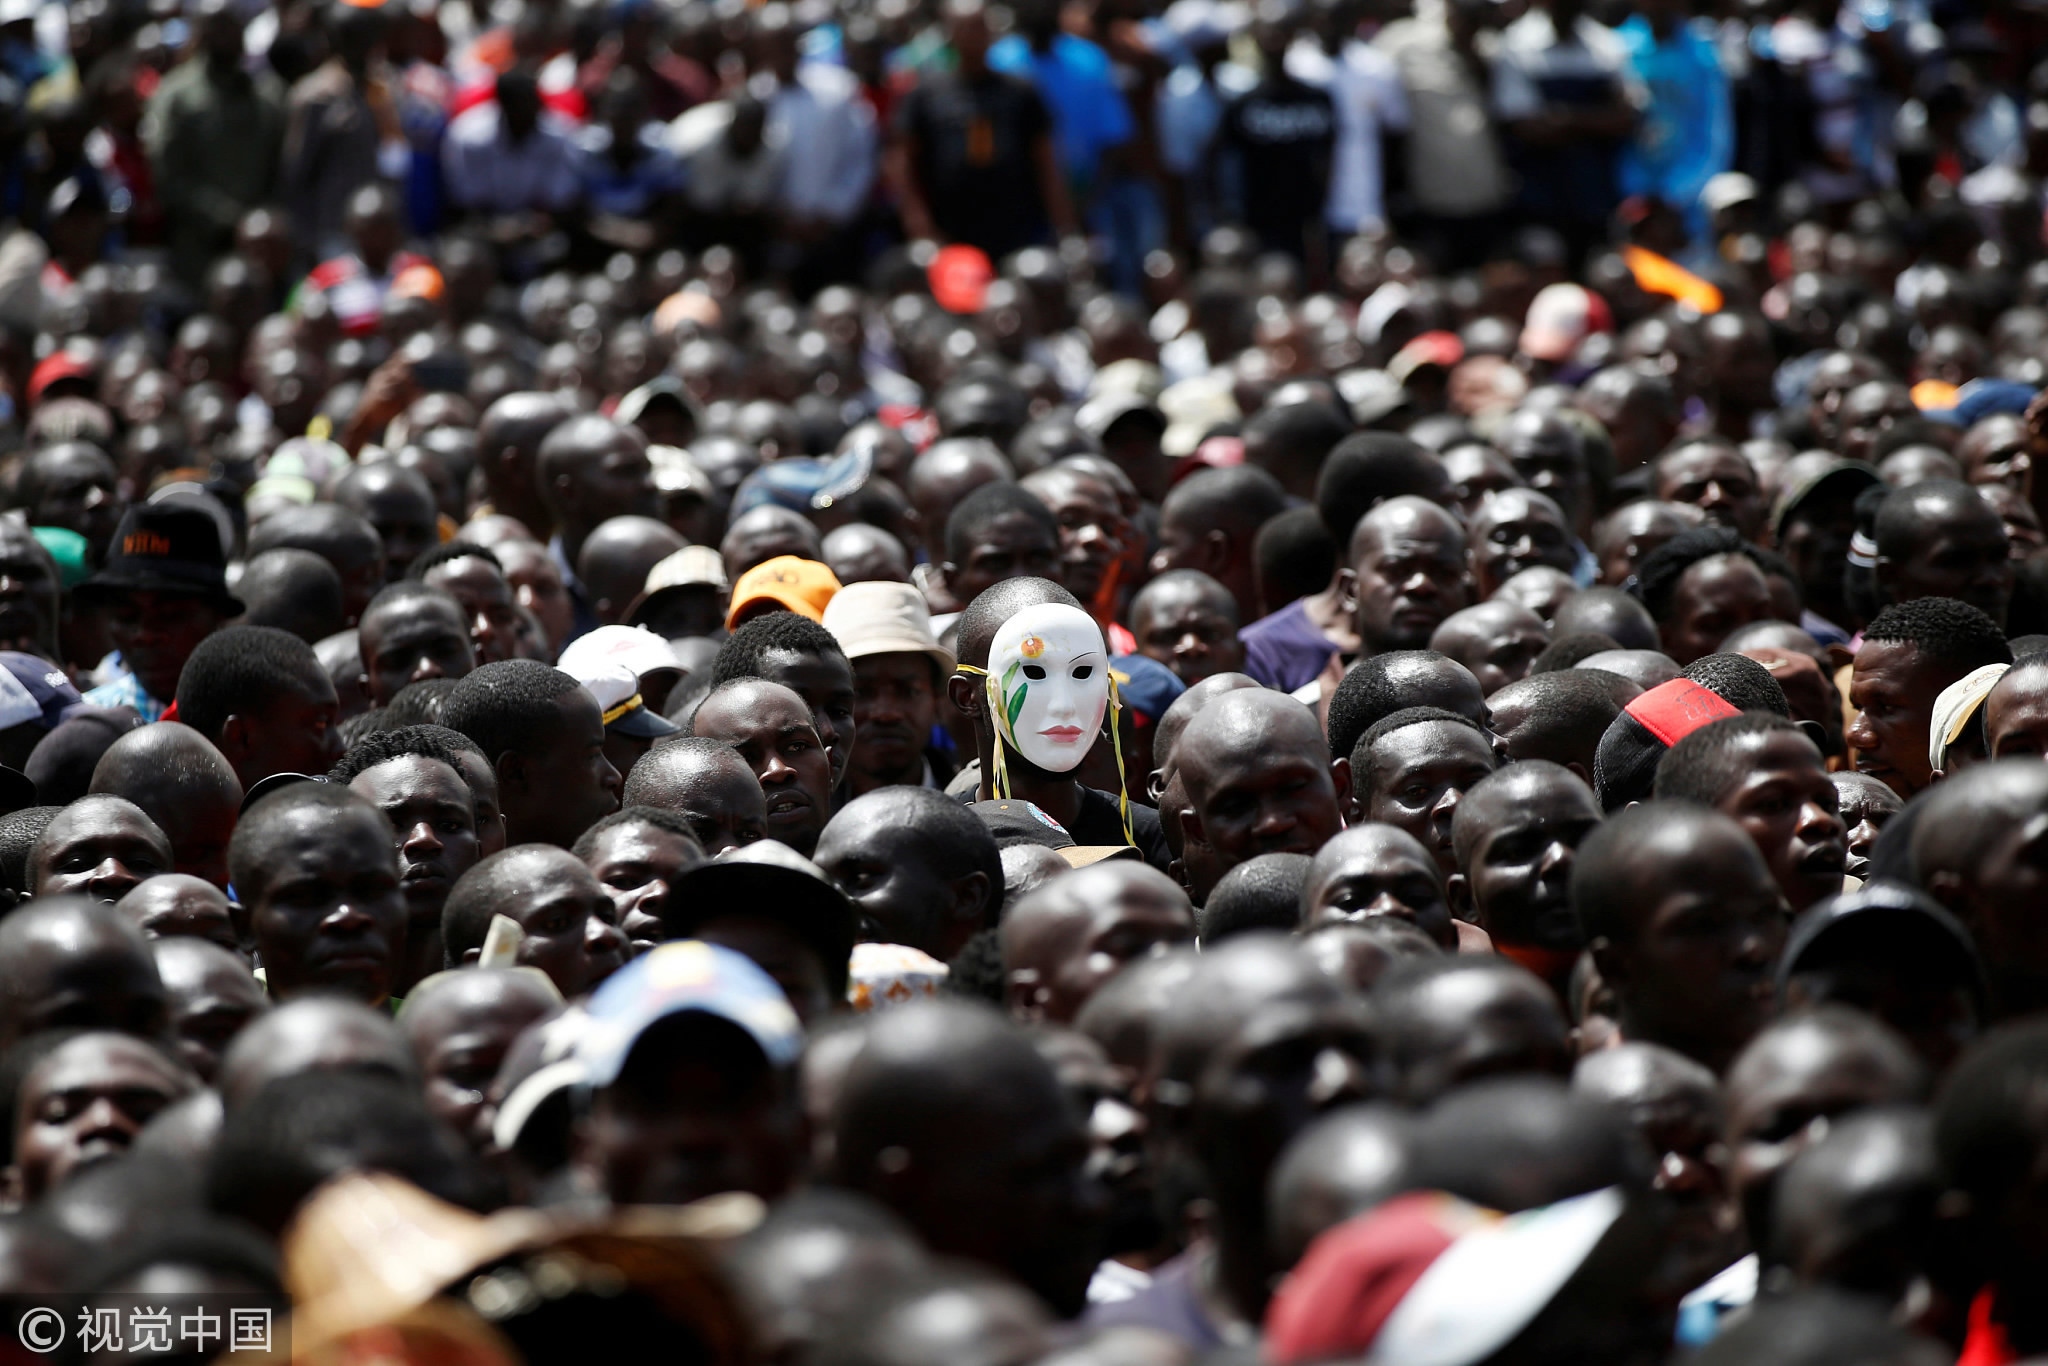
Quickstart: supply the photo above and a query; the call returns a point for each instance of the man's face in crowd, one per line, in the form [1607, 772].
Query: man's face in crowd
[1276, 799]
[618, 482]
[1625, 538]
[1786, 804]
[408, 524]
[1781, 1097]
[84, 1104]
[1518, 530]
[329, 914]
[157, 632]
[1498, 641]
[1997, 451]
[569, 785]
[1374, 871]
[887, 869]
[1009, 547]
[637, 863]
[298, 730]
[1117, 912]
[1091, 523]
[1517, 875]
[1696, 975]
[461, 1036]
[77, 486]
[172, 905]
[482, 781]
[724, 805]
[212, 997]
[696, 1111]
[2016, 714]
[771, 728]
[1717, 480]
[1865, 806]
[1893, 690]
[486, 598]
[429, 806]
[1190, 629]
[1415, 777]
[409, 641]
[28, 592]
[824, 680]
[1712, 599]
[1476, 470]
[571, 928]
[100, 849]
[1549, 454]
[537, 586]
[895, 706]
[1962, 553]
[1407, 574]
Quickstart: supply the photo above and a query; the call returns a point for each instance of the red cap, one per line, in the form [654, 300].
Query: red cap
[55, 368]
[960, 278]
[1671, 711]
[1336, 1300]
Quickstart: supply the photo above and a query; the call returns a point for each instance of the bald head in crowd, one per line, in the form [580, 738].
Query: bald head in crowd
[182, 784]
[1258, 777]
[1063, 942]
[70, 963]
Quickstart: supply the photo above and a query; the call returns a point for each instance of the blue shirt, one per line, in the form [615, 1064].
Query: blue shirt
[1089, 114]
[1687, 132]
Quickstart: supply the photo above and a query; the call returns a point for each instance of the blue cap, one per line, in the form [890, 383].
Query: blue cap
[685, 974]
[35, 690]
[1146, 686]
[804, 483]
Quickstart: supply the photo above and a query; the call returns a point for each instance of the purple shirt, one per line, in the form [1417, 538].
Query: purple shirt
[1285, 650]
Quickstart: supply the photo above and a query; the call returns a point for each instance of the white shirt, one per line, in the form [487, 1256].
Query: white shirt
[826, 135]
[486, 170]
[1365, 86]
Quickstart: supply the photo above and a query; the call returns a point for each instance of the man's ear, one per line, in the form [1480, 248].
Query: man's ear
[469, 956]
[1458, 890]
[10, 1188]
[1340, 778]
[1215, 552]
[1578, 768]
[513, 773]
[970, 898]
[234, 737]
[964, 692]
[1346, 584]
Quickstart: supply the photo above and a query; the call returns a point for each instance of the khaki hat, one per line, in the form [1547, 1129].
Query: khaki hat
[884, 619]
[369, 1249]
[694, 566]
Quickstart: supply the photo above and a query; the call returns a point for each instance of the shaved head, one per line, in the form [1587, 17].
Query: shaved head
[183, 784]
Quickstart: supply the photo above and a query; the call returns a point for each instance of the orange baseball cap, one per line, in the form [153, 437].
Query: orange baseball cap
[787, 582]
[960, 277]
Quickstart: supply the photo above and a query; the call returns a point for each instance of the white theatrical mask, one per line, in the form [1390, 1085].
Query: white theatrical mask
[1050, 672]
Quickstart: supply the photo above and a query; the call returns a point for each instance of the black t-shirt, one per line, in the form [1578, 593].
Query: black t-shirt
[1281, 132]
[974, 140]
[1098, 822]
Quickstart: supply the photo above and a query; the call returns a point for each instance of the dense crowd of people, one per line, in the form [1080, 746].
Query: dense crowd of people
[881, 683]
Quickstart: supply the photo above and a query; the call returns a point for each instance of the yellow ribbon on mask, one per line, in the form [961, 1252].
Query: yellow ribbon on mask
[993, 700]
